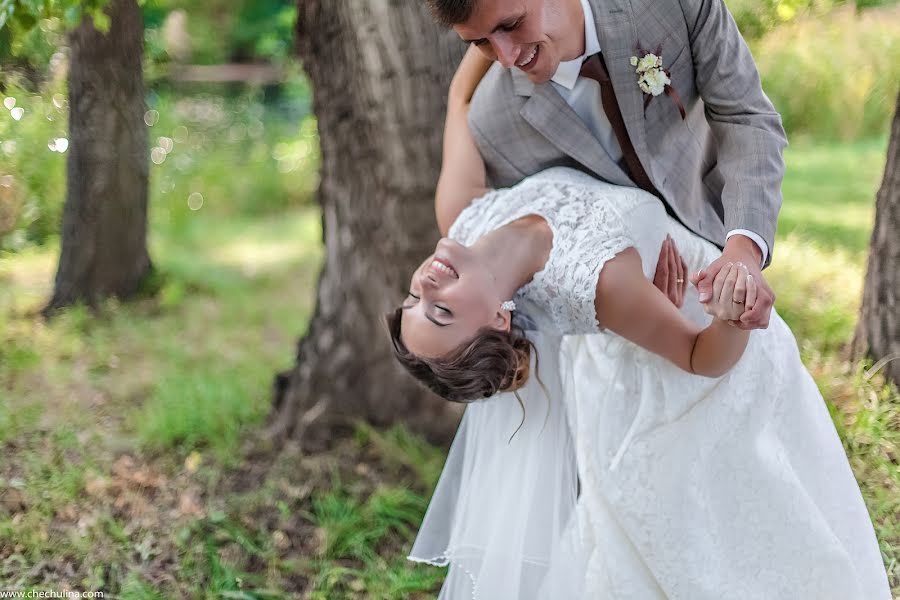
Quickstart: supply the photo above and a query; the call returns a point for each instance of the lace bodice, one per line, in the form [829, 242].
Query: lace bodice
[591, 221]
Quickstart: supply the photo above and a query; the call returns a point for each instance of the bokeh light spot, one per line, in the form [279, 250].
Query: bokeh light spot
[195, 201]
[181, 134]
[166, 143]
[158, 155]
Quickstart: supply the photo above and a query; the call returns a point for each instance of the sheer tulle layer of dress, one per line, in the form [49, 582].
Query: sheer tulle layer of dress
[503, 499]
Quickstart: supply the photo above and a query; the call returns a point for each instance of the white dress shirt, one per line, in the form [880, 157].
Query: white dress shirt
[583, 95]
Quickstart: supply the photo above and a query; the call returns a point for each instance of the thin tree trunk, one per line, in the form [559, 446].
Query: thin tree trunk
[380, 71]
[104, 229]
[878, 330]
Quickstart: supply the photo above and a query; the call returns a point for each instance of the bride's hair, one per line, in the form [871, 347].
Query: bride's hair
[492, 361]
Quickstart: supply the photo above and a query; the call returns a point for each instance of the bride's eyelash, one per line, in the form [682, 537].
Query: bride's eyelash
[446, 310]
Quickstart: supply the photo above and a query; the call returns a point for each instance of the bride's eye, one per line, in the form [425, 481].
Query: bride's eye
[446, 310]
[407, 303]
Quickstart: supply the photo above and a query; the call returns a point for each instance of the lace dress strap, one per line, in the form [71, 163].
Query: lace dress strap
[588, 221]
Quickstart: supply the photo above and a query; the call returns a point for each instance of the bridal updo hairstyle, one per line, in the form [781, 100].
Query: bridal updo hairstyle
[491, 362]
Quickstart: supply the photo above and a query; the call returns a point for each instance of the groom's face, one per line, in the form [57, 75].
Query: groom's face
[530, 35]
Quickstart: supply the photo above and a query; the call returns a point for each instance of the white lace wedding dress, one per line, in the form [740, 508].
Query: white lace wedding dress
[687, 487]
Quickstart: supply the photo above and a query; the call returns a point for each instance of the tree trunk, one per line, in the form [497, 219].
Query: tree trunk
[379, 71]
[878, 330]
[104, 228]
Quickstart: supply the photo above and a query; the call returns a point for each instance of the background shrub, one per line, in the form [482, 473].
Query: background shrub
[834, 77]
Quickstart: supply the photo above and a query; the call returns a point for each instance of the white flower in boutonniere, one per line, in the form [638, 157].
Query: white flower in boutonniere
[653, 79]
[650, 61]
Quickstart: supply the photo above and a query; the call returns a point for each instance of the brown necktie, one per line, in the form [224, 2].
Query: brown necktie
[595, 68]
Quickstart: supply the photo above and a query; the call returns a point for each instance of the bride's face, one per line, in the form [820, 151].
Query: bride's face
[451, 296]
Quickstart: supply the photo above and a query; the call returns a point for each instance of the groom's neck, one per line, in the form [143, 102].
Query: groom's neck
[573, 13]
[579, 27]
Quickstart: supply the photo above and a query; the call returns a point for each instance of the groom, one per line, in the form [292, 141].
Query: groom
[697, 131]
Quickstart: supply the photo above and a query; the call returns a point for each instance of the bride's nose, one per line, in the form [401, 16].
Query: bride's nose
[427, 280]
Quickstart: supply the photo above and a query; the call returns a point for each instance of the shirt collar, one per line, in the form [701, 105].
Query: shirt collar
[567, 73]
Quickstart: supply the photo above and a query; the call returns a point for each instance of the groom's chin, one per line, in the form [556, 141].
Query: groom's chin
[537, 77]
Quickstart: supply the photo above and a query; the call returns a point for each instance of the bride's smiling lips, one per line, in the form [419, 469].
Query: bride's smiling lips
[445, 254]
[442, 267]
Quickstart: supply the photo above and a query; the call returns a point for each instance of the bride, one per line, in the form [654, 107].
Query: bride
[673, 455]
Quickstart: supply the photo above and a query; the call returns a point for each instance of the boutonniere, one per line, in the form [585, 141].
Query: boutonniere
[653, 79]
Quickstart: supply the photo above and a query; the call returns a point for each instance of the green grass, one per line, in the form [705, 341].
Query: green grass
[820, 262]
[122, 432]
[829, 194]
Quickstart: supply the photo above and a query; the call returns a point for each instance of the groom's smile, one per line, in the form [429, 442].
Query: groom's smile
[530, 59]
[531, 35]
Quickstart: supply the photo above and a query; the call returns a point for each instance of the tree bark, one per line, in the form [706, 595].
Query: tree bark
[379, 71]
[878, 331]
[104, 228]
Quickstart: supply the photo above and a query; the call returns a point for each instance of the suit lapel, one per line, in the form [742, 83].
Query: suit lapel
[553, 118]
[616, 32]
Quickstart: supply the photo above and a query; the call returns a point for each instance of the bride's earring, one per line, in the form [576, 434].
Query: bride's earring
[508, 305]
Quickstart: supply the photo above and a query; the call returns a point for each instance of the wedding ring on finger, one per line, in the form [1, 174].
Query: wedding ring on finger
[739, 292]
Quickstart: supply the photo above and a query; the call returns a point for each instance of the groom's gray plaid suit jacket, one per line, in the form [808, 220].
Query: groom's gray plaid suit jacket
[719, 169]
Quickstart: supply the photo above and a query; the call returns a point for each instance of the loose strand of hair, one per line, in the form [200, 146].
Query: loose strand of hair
[522, 422]
[537, 374]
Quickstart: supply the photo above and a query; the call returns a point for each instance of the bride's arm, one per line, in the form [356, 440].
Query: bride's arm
[462, 176]
[629, 305]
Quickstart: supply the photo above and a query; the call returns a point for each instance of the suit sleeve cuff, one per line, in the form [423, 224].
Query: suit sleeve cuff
[763, 246]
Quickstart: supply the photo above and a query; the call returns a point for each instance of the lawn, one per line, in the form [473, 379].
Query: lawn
[129, 457]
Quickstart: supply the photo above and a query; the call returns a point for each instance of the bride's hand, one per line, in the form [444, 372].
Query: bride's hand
[671, 273]
[734, 291]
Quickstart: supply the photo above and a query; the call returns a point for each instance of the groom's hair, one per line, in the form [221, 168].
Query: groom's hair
[492, 361]
[451, 12]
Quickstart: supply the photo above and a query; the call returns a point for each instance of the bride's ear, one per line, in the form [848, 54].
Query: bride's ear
[501, 320]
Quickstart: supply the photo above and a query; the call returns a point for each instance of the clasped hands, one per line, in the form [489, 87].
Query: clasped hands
[731, 288]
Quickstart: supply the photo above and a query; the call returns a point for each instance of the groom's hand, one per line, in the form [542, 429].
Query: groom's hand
[671, 273]
[740, 249]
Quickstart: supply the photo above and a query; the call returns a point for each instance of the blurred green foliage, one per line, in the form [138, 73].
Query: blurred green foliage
[230, 31]
[31, 32]
[225, 147]
[23, 15]
[755, 18]
[830, 69]
[217, 31]
[836, 76]
[32, 176]
[210, 151]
